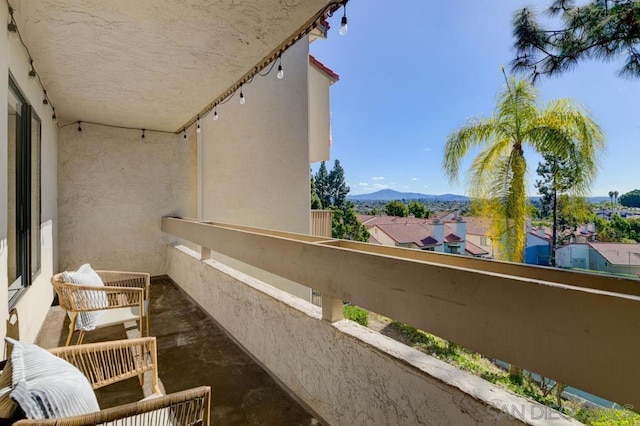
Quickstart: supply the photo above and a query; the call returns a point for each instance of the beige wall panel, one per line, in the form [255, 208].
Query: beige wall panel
[256, 156]
[114, 187]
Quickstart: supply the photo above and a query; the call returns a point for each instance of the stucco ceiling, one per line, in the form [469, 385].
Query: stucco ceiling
[150, 63]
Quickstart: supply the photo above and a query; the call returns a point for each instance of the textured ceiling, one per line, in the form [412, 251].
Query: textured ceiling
[150, 63]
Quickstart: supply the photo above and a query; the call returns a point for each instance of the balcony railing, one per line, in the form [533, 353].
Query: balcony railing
[321, 223]
[577, 328]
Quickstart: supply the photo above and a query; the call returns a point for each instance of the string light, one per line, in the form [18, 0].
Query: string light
[45, 101]
[280, 74]
[269, 62]
[242, 99]
[53, 117]
[184, 131]
[198, 129]
[79, 126]
[142, 133]
[32, 71]
[343, 24]
[12, 27]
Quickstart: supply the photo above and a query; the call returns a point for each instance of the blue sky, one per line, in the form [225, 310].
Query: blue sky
[411, 71]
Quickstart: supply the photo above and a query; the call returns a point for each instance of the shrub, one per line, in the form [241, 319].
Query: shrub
[356, 314]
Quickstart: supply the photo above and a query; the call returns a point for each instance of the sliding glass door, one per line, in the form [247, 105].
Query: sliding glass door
[23, 178]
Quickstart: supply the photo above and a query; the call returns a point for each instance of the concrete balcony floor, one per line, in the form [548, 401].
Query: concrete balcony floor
[193, 351]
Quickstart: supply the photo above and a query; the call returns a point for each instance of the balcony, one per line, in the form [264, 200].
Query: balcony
[192, 351]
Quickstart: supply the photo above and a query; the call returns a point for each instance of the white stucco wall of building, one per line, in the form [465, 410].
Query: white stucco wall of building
[33, 304]
[255, 158]
[114, 187]
[319, 116]
[573, 256]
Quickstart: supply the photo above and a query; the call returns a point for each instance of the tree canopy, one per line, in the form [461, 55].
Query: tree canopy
[630, 199]
[329, 191]
[396, 208]
[418, 209]
[496, 176]
[600, 29]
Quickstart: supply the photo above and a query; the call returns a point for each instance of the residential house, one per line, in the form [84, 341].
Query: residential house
[423, 234]
[617, 258]
[131, 171]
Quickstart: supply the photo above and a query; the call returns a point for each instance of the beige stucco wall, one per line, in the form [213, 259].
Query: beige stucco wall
[255, 158]
[345, 373]
[382, 237]
[114, 187]
[476, 239]
[34, 302]
[319, 116]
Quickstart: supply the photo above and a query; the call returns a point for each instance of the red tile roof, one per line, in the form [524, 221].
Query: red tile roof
[618, 253]
[474, 250]
[323, 68]
[453, 238]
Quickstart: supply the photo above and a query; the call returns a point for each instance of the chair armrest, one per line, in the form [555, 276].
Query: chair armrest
[84, 298]
[180, 408]
[109, 362]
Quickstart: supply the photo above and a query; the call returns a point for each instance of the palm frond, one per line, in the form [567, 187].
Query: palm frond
[474, 133]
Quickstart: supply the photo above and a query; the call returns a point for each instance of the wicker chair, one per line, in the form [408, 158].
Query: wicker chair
[106, 363]
[127, 294]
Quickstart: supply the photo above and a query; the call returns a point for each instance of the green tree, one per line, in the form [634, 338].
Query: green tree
[338, 189]
[631, 198]
[418, 209]
[558, 176]
[600, 29]
[615, 197]
[346, 225]
[322, 185]
[497, 175]
[611, 197]
[396, 208]
[315, 200]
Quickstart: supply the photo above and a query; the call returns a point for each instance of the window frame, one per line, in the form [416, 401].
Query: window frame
[26, 250]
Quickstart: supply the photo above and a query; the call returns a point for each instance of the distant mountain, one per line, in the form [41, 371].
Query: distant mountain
[390, 194]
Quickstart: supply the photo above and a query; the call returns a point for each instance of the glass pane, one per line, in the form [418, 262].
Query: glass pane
[35, 196]
[13, 128]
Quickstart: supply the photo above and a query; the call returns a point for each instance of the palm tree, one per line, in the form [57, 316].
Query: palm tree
[497, 175]
[615, 197]
[611, 197]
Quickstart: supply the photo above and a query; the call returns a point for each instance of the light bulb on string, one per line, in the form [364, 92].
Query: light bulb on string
[343, 23]
[184, 131]
[13, 31]
[198, 129]
[215, 114]
[280, 74]
[242, 99]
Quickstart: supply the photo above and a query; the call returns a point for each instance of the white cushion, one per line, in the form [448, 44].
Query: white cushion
[46, 386]
[85, 275]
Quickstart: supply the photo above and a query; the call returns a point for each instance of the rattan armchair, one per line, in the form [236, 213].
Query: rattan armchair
[106, 363]
[127, 297]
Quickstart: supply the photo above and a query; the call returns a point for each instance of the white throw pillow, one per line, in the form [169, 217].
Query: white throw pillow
[85, 275]
[46, 386]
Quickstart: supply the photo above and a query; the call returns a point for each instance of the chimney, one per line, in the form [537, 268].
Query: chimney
[460, 229]
[438, 234]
